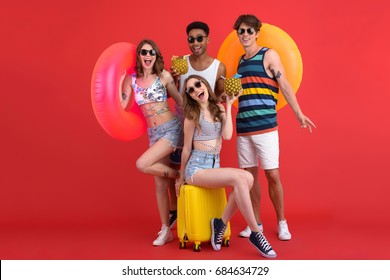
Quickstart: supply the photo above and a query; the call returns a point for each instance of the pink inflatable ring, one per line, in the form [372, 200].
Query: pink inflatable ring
[106, 93]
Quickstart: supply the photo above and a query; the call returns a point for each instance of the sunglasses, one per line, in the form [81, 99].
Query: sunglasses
[250, 31]
[198, 38]
[197, 84]
[144, 52]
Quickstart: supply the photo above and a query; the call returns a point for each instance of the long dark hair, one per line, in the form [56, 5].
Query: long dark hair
[192, 108]
[158, 66]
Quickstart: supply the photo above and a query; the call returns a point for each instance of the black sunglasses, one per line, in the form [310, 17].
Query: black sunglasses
[198, 38]
[250, 31]
[197, 84]
[145, 52]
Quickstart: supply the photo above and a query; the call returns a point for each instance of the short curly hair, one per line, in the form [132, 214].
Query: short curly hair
[198, 25]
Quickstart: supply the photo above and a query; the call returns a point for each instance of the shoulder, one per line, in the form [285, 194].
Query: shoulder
[221, 65]
[128, 79]
[221, 71]
[188, 124]
[271, 54]
[165, 76]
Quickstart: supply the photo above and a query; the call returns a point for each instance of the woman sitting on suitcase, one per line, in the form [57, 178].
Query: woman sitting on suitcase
[206, 123]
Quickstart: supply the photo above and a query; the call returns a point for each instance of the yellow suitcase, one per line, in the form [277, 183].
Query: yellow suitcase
[196, 206]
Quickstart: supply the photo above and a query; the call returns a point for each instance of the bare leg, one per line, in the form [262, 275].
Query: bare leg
[255, 192]
[241, 181]
[172, 189]
[276, 192]
[162, 198]
[230, 209]
[172, 194]
[149, 161]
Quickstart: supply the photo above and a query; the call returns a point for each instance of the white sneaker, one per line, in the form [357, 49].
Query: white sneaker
[283, 232]
[247, 231]
[164, 236]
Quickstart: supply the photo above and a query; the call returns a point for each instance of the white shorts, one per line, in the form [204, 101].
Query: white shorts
[263, 147]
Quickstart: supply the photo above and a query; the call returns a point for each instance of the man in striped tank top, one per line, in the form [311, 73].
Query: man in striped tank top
[262, 75]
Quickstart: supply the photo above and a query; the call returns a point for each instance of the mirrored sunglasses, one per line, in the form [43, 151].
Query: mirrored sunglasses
[250, 31]
[144, 52]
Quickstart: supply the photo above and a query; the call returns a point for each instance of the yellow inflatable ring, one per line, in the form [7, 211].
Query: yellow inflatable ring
[271, 37]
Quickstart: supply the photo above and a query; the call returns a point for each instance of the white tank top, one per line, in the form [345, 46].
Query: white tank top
[209, 74]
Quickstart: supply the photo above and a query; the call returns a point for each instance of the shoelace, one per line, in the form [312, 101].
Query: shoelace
[263, 242]
[161, 234]
[220, 234]
[283, 228]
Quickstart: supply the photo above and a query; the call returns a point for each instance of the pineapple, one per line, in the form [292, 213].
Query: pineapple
[232, 86]
[179, 64]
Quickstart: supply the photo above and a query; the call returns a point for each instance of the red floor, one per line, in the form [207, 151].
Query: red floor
[318, 239]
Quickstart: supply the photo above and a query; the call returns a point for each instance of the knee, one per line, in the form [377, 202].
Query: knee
[273, 176]
[244, 179]
[141, 165]
[162, 186]
[249, 179]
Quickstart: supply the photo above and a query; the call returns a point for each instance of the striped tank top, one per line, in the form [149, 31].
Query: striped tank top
[257, 105]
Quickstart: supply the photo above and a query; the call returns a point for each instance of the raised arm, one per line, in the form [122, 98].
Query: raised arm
[171, 87]
[227, 125]
[126, 91]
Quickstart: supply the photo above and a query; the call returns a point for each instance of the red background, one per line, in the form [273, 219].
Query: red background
[70, 191]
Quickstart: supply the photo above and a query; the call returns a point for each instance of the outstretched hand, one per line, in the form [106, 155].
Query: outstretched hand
[305, 122]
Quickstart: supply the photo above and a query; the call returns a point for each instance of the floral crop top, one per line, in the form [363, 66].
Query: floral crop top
[156, 92]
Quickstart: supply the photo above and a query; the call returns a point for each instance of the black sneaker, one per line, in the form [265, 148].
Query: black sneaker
[261, 243]
[172, 218]
[217, 231]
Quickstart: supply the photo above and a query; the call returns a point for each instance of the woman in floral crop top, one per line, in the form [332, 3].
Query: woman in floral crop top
[150, 85]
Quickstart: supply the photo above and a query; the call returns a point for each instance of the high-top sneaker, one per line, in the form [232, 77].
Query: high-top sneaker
[164, 236]
[258, 239]
[217, 230]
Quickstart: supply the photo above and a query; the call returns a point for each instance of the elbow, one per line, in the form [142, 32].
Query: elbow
[227, 137]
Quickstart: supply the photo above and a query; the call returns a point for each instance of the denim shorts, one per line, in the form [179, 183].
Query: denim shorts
[170, 131]
[200, 160]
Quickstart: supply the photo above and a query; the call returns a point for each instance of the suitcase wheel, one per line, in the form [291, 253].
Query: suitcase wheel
[182, 245]
[226, 242]
[197, 247]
